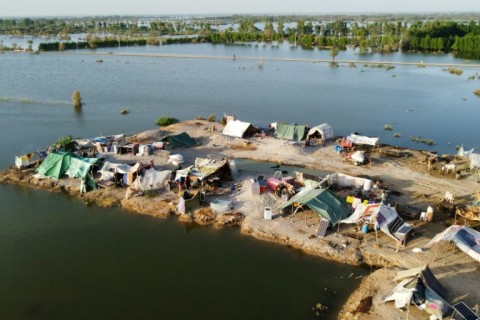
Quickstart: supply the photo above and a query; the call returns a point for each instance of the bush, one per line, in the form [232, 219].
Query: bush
[166, 121]
[64, 143]
[388, 127]
[211, 118]
[477, 92]
[200, 118]
[397, 135]
[76, 99]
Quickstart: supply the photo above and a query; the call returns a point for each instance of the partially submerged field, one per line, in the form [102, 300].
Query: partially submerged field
[407, 176]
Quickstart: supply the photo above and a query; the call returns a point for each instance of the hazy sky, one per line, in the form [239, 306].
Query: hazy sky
[22, 8]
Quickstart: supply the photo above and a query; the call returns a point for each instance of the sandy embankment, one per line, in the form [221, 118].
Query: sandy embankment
[407, 175]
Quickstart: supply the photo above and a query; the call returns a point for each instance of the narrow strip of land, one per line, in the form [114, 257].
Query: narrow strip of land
[208, 57]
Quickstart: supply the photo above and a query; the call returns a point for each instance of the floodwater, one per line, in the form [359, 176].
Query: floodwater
[61, 259]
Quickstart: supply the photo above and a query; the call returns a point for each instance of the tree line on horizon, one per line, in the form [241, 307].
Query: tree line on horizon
[387, 35]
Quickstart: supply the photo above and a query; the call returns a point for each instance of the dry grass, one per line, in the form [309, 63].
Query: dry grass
[243, 146]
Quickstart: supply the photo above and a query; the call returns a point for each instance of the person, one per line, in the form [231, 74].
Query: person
[384, 196]
[234, 56]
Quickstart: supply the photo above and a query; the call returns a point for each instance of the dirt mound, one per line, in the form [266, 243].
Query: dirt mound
[228, 219]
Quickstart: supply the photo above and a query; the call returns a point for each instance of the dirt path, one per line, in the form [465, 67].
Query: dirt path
[209, 57]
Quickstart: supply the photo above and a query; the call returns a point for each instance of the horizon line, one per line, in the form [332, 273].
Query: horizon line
[242, 14]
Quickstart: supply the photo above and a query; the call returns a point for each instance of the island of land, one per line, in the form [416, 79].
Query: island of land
[414, 184]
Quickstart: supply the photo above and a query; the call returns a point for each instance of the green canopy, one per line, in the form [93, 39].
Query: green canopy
[290, 131]
[180, 140]
[55, 164]
[324, 202]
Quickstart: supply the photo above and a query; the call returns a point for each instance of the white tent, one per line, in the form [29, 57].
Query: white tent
[324, 129]
[362, 139]
[238, 129]
[152, 179]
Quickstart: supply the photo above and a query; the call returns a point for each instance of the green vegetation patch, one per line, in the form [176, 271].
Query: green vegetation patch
[166, 121]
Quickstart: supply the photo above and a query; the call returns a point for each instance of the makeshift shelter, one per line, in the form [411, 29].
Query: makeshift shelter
[239, 129]
[385, 217]
[325, 202]
[181, 140]
[466, 239]
[150, 180]
[344, 180]
[58, 163]
[80, 168]
[55, 164]
[419, 286]
[290, 131]
[323, 130]
[205, 170]
[356, 139]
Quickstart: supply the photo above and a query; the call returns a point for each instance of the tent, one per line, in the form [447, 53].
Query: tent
[324, 129]
[58, 163]
[420, 287]
[182, 140]
[239, 129]
[150, 180]
[385, 216]
[205, 168]
[362, 139]
[55, 164]
[466, 239]
[323, 201]
[290, 131]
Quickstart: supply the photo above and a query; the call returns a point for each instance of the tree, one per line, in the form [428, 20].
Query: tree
[76, 99]
[334, 52]
[280, 27]
[30, 43]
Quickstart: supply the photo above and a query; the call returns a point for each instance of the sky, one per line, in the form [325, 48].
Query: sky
[35, 8]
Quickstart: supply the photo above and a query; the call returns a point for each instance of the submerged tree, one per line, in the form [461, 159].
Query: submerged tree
[334, 52]
[76, 99]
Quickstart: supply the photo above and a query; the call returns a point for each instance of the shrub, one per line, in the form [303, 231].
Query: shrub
[388, 127]
[166, 121]
[458, 72]
[211, 118]
[397, 135]
[200, 118]
[419, 139]
[64, 143]
[76, 99]
[477, 92]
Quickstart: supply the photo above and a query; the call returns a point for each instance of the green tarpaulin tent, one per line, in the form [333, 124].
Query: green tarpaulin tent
[58, 163]
[55, 164]
[290, 131]
[180, 140]
[323, 201]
